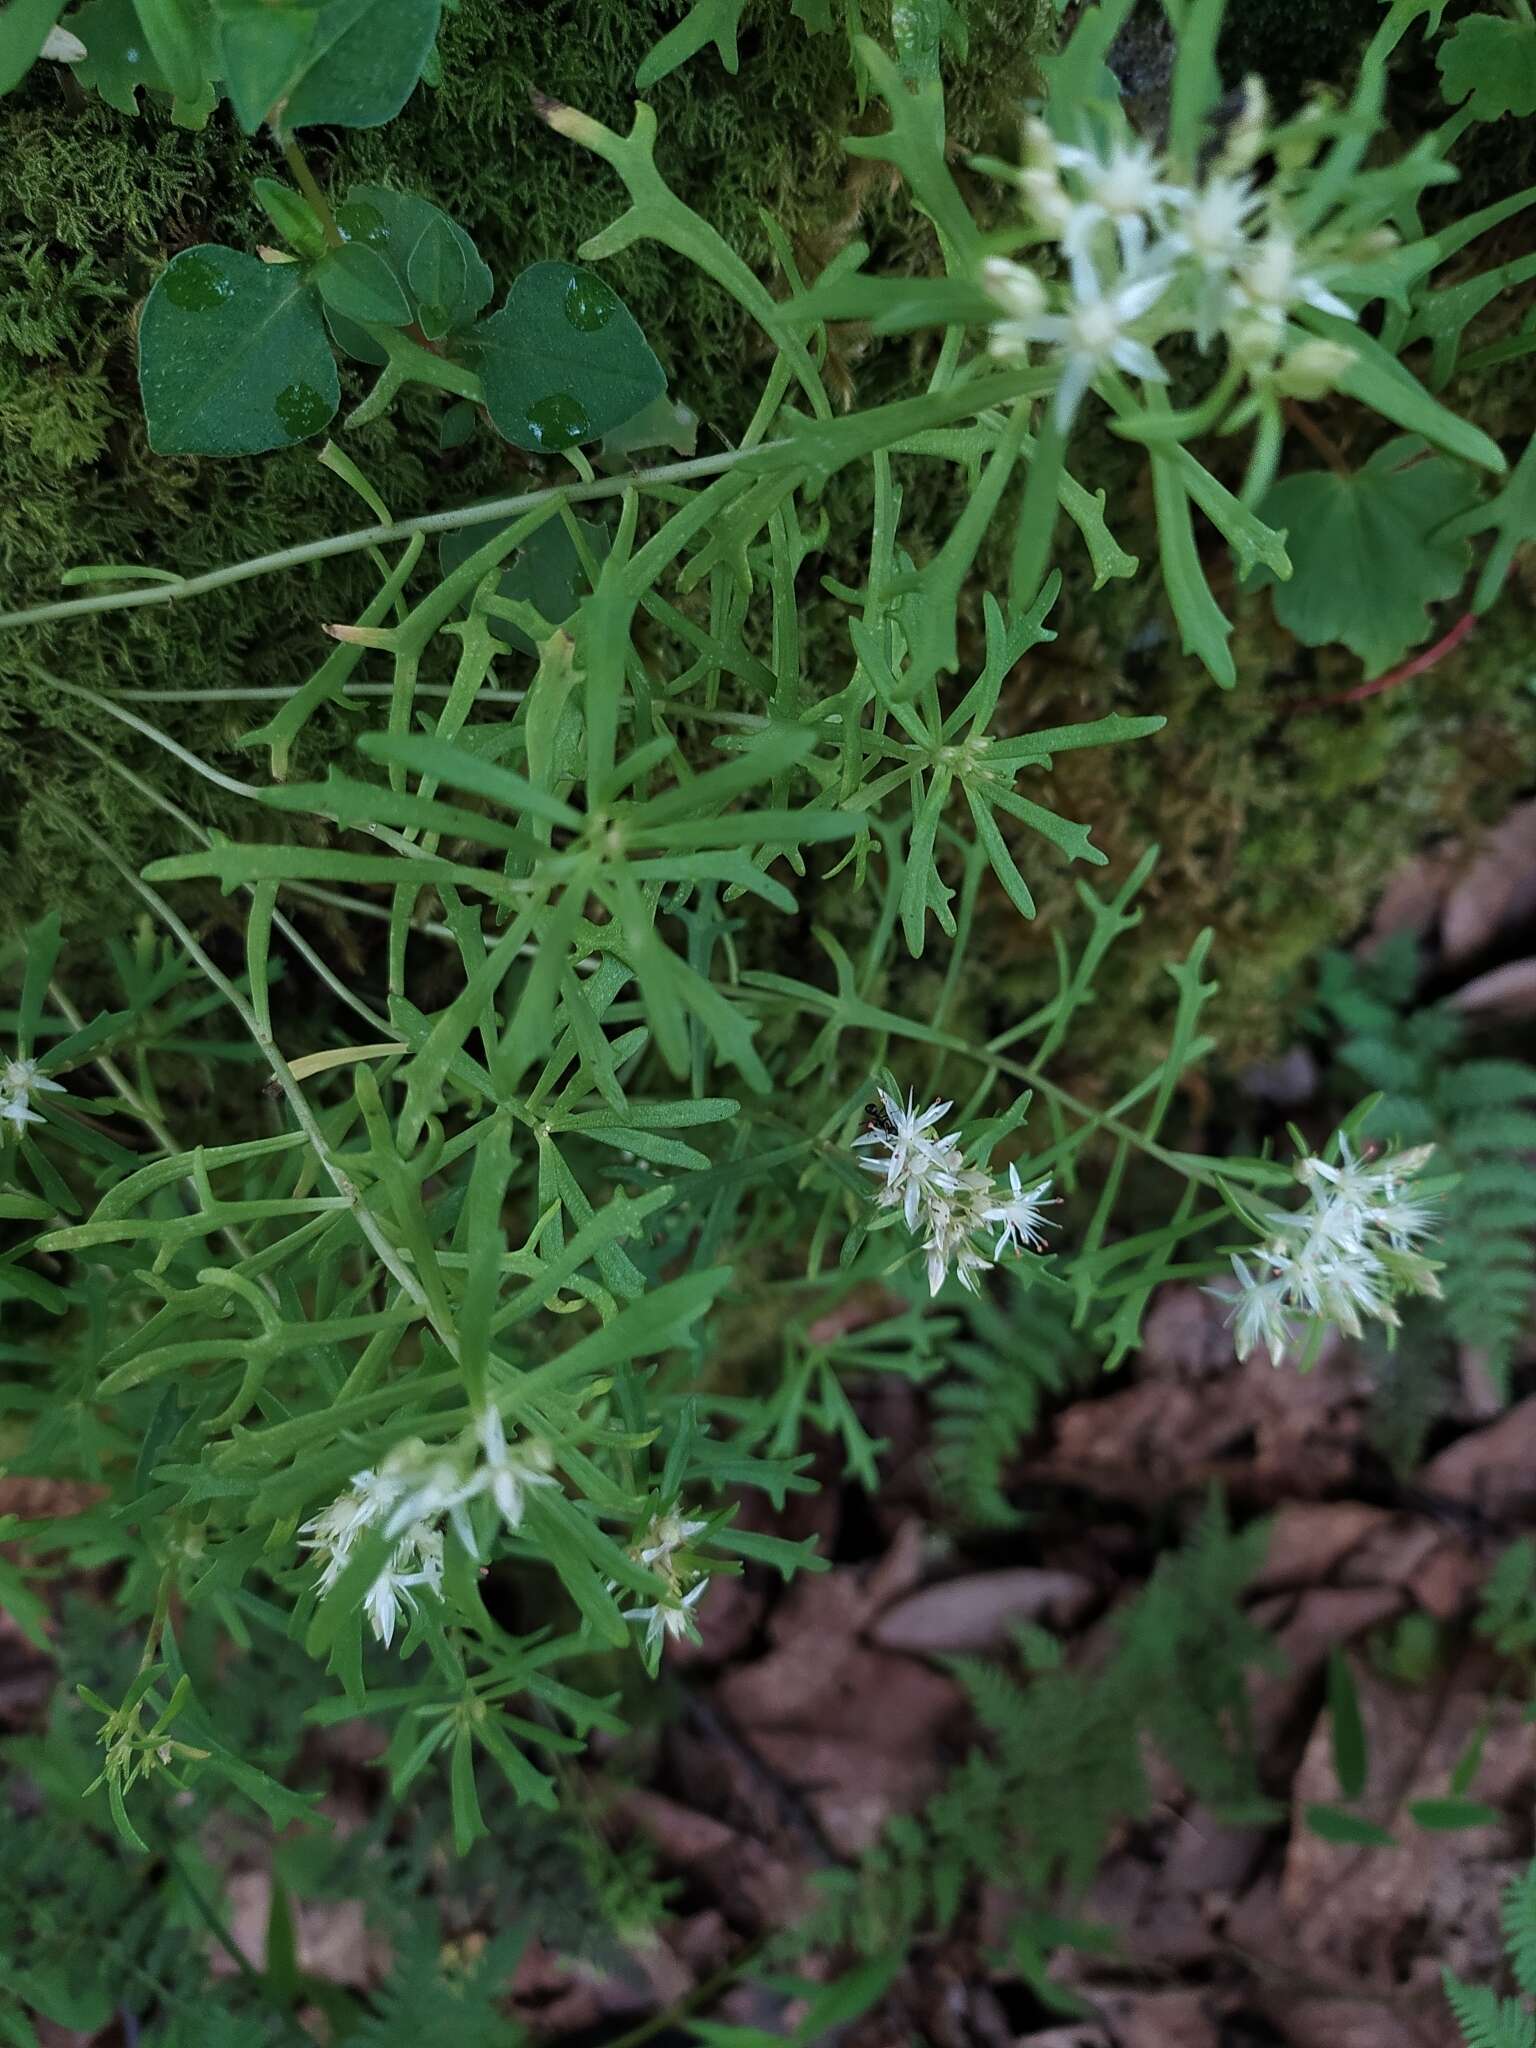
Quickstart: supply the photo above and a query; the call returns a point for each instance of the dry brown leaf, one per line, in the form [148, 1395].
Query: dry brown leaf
[1492, 1469]
[976, 1612]
[1495, 889]
[1160, 2019]
[1508, 991]
[1310, 1539]
[1369, 1914]
[331, 1938]
[1412, 900]
[1324, 1618]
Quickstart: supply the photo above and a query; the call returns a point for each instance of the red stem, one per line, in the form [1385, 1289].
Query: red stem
[1404, 672]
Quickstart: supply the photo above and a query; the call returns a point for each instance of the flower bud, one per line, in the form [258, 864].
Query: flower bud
[1313, 369]
[1047, 200]
[1016, 289]
[1248, 137]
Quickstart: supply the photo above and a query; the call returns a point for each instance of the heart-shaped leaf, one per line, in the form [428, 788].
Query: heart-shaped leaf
[233, 356]
[564, 360]
[357, 283]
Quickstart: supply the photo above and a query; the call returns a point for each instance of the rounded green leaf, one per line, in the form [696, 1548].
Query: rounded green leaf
[233, 356]
[354, 341]
[394, 225]
[365, 59]
[357, 283]
[179, 35]
[1493, 58]
[564, 360]
[1343, 529]
[262, 49]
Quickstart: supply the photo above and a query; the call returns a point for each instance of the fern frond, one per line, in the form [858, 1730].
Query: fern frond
[1485, 2019]
[430, 1997]
[1488, 1084]
[1518, 1917]
[982, 1415]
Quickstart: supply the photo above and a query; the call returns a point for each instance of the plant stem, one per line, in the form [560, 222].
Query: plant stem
[380, 536]
[345, 1186]
[309, 185]
[146, 1116]
[1325, 444]
[1415, 665]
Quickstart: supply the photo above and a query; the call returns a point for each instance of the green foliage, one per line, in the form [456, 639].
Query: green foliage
[1344, 529]
[563, 361]
[1064, 1765]
[1490, 60]
[992, 1398]
[1485, 2019]
[1519, 1922]
[235, 359]
[348, 63]
[1507, 1616]
[1476, 1111]
[489, 1224]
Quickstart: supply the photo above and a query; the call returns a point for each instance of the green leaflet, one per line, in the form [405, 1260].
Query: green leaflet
[563, 362]
[1343, 528]
[1492, 59]
[233, 358]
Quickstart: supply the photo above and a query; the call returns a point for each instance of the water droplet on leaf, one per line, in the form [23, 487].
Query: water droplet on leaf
[589, 304]
[195, 285]
[300, 410]
[558, 421]
[360, 222]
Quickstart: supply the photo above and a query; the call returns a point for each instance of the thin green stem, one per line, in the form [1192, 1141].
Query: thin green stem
[309, 185]
[280, 692]
[365, 537]
[153, 1123]
[343, 1183]
[290, 931]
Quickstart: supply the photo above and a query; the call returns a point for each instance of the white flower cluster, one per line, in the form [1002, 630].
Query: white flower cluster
[1147, 256]
[407, 1499]
[672, 1614]
[1343, 1258]
[949, 1204]
[19, 1082]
